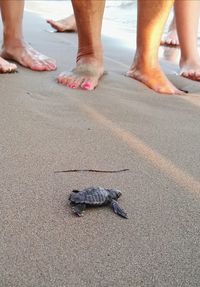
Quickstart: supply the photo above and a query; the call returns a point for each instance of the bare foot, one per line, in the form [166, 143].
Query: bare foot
[86, 75]
[170, 39]
[154, 78]
[190, 69]
[26, 56]
[6, 67]
[64, 25]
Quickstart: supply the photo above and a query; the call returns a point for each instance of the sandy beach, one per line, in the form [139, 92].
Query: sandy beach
[46, 127]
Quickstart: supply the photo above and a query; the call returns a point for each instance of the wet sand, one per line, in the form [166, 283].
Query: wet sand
[46, 127]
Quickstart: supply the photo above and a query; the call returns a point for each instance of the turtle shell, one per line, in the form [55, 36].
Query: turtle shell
[91, 196]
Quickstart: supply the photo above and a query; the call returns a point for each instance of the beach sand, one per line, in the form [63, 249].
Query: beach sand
[46, 127]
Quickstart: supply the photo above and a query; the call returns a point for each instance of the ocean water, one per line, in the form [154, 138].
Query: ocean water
[119, 17]
[119, 20]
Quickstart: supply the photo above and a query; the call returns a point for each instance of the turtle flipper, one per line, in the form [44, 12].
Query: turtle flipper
[79, 208]
[117, 209]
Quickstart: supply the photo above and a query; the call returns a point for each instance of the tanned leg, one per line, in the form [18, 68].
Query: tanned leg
[171, 38]
[14, 47]
[67, 24]
[187, 17]
[89, 64]
[152, 16]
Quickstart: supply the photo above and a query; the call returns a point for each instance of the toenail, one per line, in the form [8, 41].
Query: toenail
[87, 86]
[71, 86]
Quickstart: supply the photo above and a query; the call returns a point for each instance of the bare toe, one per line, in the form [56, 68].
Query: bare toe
[64, 25]
[170, 39]
[84, 76]
[190, 69]
[6, 67]
[56, 26]
[192, 75]
[89, 84]
[76, 83]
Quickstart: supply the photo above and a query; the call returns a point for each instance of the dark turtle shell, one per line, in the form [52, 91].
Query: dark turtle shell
[91, 196]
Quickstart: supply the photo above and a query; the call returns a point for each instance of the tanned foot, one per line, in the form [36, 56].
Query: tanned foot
[6, 67]
[26, 56]
[85, 76]
[154, 78]
[170, 39]
[190, 69]
[64, 25]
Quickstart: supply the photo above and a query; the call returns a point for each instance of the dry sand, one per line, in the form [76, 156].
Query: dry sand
[46, 127]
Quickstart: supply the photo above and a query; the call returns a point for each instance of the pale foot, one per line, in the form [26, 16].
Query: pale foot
[26, 56]
[64, 25]
[170, 39]
[154, 78]
[6, 67]
[85, 76]
[190, 69]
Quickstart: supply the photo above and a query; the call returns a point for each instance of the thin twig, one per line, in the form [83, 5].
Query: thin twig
[92, 170]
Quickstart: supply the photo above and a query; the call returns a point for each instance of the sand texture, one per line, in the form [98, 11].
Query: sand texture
[46, 127]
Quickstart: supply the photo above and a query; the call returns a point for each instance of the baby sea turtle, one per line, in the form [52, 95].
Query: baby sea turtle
[96, 196]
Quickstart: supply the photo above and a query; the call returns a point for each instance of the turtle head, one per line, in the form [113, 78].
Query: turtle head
[114, 193]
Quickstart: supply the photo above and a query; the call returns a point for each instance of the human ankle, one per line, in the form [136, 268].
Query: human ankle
[89, 59]
[146, 58]
[11, 40]
[145, 63]
[189, 60]
[90, 52]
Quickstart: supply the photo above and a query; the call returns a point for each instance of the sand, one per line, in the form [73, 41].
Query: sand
[46, 127]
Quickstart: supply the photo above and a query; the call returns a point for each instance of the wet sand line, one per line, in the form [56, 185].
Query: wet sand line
[182, 178]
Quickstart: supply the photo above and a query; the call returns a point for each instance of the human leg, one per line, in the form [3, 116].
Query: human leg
[187, 18]
[89, 62]
[14, 46]
[152, 16]
[67, 24]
